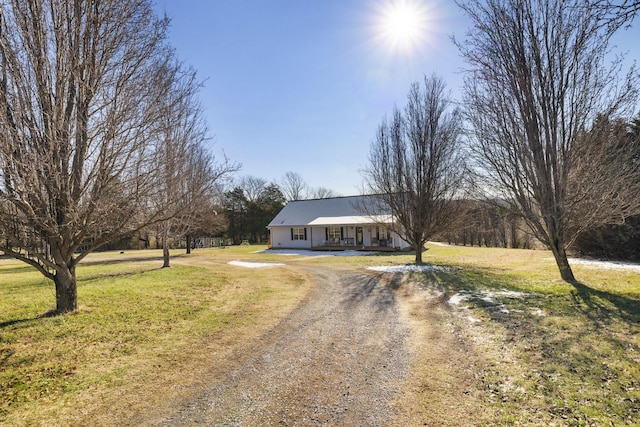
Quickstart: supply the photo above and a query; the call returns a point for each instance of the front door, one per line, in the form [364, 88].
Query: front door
[359, 234]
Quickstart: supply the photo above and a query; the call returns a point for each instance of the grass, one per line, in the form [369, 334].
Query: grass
[552, 353]
[138, 329]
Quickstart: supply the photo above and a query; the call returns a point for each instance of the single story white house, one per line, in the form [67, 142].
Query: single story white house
[337, 223]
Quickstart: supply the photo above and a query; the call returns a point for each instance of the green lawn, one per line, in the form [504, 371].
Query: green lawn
[561, 354]
[138, 328]
[553, 352]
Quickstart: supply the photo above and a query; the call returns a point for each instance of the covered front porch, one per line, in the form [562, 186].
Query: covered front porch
[353, 233]
[347, 247]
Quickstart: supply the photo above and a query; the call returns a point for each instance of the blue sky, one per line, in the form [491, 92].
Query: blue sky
[301, 85]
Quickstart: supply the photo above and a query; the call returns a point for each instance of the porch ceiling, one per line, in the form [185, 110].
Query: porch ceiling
[351, 220]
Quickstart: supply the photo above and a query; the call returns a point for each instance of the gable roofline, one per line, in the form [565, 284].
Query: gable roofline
[351, 220]
[299, 213]
[338, 197]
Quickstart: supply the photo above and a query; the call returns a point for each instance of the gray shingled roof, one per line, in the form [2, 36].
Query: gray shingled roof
[304, 212]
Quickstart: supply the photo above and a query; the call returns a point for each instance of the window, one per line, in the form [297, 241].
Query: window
[334, 234]
[298, 233]
[382, 236]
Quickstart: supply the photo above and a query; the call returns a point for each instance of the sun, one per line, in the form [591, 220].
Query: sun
[402, 25]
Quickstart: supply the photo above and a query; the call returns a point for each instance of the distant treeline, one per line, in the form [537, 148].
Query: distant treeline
[487, 224]
[620, 242]
[490, 224]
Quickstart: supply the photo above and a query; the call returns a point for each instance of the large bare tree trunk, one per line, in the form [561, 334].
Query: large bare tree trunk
[66, 289]
[165, 249]
[418, 259]
[560, 256]
[419, 246]
[188, 239]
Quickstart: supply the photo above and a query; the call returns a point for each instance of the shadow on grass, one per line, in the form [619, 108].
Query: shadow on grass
[599, 305]
[19, 269]
[572, 347]
[122, 260]
[83, 280]
[17, 321]
[46, 315]
[121, 274]
[5, 354]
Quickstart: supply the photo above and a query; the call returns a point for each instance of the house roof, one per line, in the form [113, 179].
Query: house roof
[334, 211]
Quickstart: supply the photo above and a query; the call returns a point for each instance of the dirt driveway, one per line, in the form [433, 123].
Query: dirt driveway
[338, 359]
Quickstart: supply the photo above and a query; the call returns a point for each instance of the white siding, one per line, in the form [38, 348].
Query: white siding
[281, 238]
[316, 236]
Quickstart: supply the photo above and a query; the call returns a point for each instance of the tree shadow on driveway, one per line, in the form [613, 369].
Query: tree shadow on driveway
[378, 289]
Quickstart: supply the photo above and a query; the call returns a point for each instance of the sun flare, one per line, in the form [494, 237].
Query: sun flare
[403, 25]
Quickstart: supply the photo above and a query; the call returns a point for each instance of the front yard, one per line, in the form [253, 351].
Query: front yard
[531, 349]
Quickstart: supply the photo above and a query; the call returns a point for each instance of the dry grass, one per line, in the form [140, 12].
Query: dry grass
[443, 389]
[541, 351]
[554, 354]
[142, 336]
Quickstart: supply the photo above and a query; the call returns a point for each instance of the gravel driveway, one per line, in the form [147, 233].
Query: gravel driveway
[338, 359]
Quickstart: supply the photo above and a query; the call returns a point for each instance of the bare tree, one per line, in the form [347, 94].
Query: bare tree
[604, 184]
[189, 195]
[82, 87]
[204, 220]
[616, 13]
[323, 193]
[538, 76]
[416, 164]
[252, 187]
[203, 213]
[186, 173]
[293, 186]
[180, 132]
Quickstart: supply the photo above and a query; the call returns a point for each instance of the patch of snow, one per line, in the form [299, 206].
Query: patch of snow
[473, 319]
[438, 243]
[282, 252]
[488, 298]
[438, 294]
[537, 311]
[511, 294]
[310, 253]
[458, 298]
[494, 300]
[255, 264]
[606, 265]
